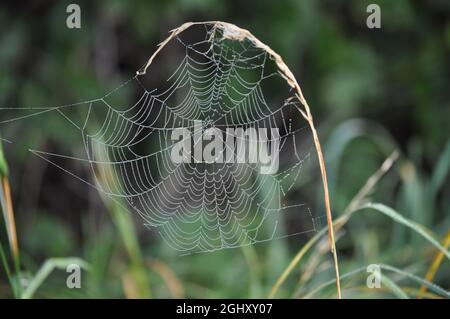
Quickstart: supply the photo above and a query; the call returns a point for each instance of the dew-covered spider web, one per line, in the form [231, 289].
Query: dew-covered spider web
[201, 81]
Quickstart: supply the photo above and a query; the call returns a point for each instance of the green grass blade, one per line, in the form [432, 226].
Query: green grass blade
[127, 232]
[396, 290]
[332, 281]
[340, 222]
[7, 270]
[46, 269]
[3, 173]
[254, 270]
[419, 229]
[3, 163]
[349, 131]
[441, 171]
[431, 286]
[294, 262]
[124, 223]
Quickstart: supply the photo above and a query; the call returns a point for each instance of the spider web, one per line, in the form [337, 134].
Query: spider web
[196, 207]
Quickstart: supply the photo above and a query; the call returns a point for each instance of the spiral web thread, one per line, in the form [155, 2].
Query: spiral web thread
[195, 206]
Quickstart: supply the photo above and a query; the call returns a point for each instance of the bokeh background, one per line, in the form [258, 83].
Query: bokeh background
[372, 91]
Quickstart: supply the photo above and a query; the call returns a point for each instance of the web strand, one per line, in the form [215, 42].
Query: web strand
[194, 206]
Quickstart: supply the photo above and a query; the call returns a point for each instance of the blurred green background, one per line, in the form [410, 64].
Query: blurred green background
[371, 91]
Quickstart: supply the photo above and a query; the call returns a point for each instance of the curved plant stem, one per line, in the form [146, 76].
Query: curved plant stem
[46, 269]
[341, 221]
[435, 288]
[10, 222]
[435, 265]
[294, 262]
[233, 32]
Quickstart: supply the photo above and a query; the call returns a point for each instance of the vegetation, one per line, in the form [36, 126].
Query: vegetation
[381, 105]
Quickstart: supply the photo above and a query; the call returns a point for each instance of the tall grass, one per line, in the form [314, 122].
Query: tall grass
[19, 289]
[9, 222]
[306, 274]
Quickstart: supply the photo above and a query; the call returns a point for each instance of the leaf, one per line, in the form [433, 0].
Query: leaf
[431, 286]
[393, 287]
[441, 171]
[3, 163]
[419, 229]
[7, 270]
[435, 264]
[8, 216]
[46, 269]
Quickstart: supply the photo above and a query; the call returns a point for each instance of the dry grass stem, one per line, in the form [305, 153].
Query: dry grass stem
[233, 32]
